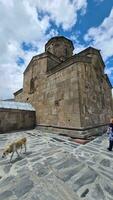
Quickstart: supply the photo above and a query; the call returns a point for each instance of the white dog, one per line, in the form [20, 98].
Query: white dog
[13, 147]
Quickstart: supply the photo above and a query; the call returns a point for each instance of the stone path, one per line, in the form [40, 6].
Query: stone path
[56, 168]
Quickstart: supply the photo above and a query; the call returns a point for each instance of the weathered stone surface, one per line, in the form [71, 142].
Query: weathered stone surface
[61, 47]
[105, 162]
[5, 195]
[15, 119]
[67, 163]
[7, 168]
[88, 177]
[54, 168]
[23, 187]
[68, 174]
[68, 91]
[85, 193]
[18, 95]
[97, 193]
[108, 188]
[22, 162]
[6, 181]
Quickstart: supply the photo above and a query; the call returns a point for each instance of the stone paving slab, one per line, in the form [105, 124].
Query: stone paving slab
[55, 167]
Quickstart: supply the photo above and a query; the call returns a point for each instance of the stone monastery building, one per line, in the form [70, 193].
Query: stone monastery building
[70, 92]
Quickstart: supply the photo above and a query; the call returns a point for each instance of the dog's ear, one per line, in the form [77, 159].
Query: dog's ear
[3, 155]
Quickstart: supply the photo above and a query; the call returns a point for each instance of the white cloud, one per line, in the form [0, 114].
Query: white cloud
[63, 13]
[20, 22]
[77, 45]
[109, 71]
[10, 79]
[102, 36]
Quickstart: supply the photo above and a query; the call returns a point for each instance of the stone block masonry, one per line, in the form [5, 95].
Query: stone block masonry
[66, 90]
[16, 119]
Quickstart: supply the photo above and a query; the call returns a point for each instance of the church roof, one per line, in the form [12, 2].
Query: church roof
[18, 91]
[16, 105]
[67, 63]
[92, 50]
[59, 38]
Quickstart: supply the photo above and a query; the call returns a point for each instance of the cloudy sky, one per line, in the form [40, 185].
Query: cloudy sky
[25, 26]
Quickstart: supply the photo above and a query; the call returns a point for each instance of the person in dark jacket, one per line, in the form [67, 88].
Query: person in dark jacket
[110, 134]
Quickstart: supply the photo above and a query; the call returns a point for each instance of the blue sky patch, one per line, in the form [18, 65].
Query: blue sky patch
[28, 47]
[32, 23]
[20, 61]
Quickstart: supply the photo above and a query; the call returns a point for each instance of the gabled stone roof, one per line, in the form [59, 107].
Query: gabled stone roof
[41, 56]
[16, 105]
[74, 59]
[92, 50]
[18, 91]
[59, 38]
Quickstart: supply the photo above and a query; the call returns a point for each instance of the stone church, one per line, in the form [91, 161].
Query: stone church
[69, 92]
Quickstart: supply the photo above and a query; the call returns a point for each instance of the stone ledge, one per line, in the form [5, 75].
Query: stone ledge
[81, 133]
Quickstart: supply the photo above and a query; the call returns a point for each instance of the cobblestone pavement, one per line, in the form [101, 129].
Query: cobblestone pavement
[56, 168]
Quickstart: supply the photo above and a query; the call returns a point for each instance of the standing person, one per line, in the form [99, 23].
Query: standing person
[110, 134]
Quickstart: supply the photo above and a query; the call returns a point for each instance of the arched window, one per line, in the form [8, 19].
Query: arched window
[32, 85]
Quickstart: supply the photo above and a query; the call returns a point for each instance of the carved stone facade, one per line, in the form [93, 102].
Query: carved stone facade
[68, 91]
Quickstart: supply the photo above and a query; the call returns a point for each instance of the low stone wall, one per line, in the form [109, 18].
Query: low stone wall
[14, 119]
[81, 133]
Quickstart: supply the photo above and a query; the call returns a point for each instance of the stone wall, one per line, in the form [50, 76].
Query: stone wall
[62, 107]
[19, 97]
[35, 95]
[66, 95]
[61, 47]
[12, 119]
[74, 93]
[95, 95]
[55, 95]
